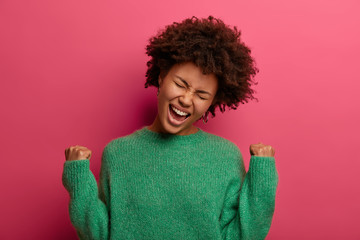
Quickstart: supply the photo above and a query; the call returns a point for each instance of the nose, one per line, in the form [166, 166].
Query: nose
[186, 98]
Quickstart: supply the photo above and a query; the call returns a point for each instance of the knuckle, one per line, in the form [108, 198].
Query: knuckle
[79, 152]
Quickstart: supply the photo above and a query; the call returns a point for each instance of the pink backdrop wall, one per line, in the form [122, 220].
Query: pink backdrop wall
[72, 72]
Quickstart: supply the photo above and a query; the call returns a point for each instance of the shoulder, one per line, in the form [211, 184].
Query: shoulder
[123, 143]
[226, 152]
[221, 144]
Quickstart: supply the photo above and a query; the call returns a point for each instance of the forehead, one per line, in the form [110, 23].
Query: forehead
[193, 75]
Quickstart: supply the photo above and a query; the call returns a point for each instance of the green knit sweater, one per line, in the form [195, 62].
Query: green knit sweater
[161, 187]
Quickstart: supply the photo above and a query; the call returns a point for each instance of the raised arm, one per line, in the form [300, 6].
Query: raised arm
[249, 212]
[87, 208]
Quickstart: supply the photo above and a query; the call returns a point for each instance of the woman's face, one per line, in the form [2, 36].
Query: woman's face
[185, 94]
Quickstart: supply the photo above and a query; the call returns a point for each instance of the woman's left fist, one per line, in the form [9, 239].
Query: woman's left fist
[262, 150]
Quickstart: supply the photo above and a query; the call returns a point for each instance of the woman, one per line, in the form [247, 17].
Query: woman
[171, 180]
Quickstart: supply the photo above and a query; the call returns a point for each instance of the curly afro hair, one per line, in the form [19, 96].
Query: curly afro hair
[215, 48]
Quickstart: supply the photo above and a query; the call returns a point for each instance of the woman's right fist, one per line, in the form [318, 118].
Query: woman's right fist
[77, 153]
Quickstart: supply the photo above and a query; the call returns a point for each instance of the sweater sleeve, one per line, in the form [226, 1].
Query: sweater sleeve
[250, 210]
[88, 206]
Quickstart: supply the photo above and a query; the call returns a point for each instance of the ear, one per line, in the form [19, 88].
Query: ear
[159, 81]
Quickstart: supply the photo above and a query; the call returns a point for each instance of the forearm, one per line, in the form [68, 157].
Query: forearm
[88, 213]
[257, 198]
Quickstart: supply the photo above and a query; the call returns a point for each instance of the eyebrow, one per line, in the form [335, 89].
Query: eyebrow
[187, 85]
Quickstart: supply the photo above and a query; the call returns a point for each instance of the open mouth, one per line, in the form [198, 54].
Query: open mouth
[177, 116]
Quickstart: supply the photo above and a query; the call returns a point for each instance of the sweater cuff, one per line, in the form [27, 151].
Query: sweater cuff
[75, 176]
[263, 174]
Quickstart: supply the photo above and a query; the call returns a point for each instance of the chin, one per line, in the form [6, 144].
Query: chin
[167, 127]
[176, 130]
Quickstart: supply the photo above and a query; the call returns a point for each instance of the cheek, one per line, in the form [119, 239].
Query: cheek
[169, 92]
[202, 107]
[165, 96]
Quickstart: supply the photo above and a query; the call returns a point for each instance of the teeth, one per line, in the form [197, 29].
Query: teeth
[178, 111]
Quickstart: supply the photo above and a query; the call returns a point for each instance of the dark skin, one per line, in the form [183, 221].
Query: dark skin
[77, 152]
[262, 150]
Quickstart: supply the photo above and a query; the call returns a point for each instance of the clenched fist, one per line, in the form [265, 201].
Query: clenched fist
[77, 153]
[262, 150]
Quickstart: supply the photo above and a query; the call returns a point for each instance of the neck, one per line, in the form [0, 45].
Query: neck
[156, 126]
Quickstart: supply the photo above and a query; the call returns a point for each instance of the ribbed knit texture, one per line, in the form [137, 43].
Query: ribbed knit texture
[161, 186]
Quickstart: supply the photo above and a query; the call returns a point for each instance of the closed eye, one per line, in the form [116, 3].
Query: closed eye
[179, 85]
[202, 98]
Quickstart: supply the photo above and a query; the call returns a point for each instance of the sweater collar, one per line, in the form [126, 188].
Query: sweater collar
[167, 137]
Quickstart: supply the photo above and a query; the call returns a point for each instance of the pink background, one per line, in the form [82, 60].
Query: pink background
[72, 72]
